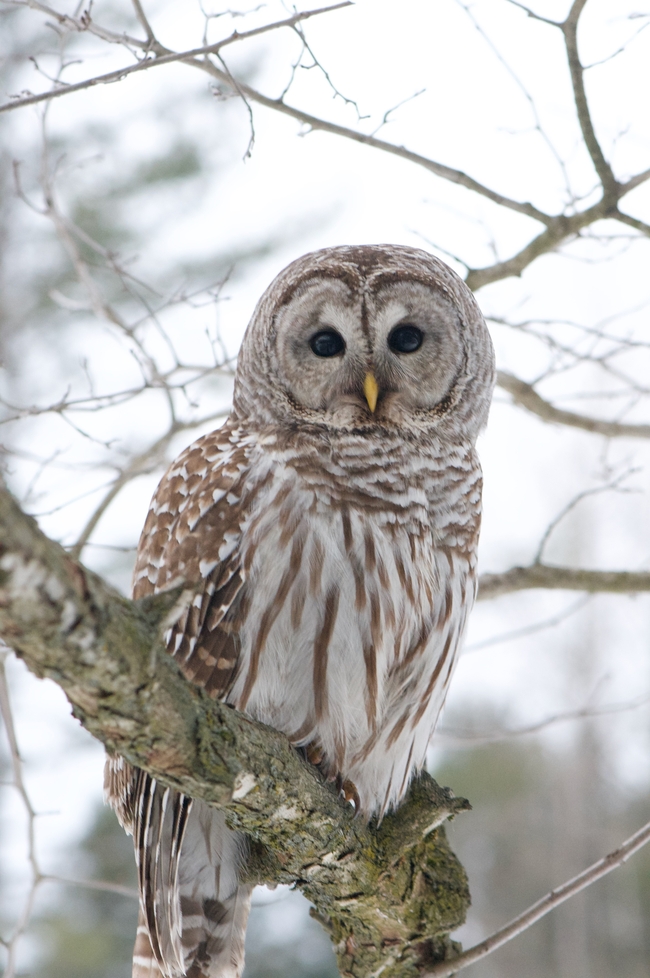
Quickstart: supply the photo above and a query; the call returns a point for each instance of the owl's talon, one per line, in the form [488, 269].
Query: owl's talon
[350, 794]
[314, 753]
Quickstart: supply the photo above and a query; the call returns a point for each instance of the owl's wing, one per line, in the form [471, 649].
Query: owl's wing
[191, 535]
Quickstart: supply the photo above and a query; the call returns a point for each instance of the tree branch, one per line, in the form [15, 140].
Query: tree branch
[544, 906]
[633, 222]
[162, 55]
[603, 169]
[527, 397]
[141, 464]
[634, 182]
[558, 228]
[388, 894]
[197, 57]
[553, 578]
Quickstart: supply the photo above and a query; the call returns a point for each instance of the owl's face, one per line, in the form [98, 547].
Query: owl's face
[364, 337]
[350, 359]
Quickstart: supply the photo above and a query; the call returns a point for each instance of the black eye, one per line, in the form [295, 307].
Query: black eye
[405, 339]
[327, 343]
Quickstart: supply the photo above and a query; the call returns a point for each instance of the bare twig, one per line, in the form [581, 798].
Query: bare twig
[526, 396]
[102, 886]
[559, 228]
[469, 738]
[570, 30]
[141, 464]
[614, 483]
[162, 55]
[17, 772]
[511, 636]
[538, 910]
[144, 22]
[38, 878]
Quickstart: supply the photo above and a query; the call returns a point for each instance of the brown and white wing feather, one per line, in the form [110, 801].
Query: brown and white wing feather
[192, 535]
[193, 911]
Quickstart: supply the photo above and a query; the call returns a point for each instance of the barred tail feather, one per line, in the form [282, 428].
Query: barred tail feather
[144, 960]
[193, 910]
[214, 905]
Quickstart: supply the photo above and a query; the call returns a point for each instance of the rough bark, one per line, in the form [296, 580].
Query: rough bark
[388, 894]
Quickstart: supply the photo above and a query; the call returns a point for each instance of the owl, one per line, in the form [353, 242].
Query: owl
[330, 528]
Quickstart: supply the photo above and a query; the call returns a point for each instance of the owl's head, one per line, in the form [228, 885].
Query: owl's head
[364, 338]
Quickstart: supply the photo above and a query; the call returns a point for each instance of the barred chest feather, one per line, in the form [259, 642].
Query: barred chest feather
[359, 577]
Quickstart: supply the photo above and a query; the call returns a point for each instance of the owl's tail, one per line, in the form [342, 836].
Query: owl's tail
[193, 910]
[214, 905]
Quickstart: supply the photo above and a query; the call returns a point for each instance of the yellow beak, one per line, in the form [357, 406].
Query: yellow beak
[371, 390]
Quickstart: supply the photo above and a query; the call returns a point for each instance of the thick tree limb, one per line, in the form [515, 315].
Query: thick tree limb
[562, 579]
[527, 397]
[389, 895]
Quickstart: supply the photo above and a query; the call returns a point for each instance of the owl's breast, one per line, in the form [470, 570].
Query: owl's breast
[349, 611]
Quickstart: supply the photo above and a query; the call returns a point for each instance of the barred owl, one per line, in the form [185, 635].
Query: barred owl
[331, 525]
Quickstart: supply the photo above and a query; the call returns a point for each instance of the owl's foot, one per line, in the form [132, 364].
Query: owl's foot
[313, 752]
[350, 794]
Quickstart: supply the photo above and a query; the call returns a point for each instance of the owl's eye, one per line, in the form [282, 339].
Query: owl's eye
[327, 343]
[405, 339]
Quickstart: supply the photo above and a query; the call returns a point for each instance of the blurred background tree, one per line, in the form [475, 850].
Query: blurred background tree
[139, 222]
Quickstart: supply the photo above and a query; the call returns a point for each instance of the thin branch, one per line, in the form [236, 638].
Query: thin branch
[24, 916]
[559, 228]
[526, 396]
[16, 762]
[162, 56]
[539, 626]
[614, 484]
[144, 22]
[538, 910]
[470, 738]
[82, 25]
[142, 464]
[633, 222]
[103, 886]
[529, 98]
[194, 57]
[439, 169]
[531, 13]
[603, 169]
[551, 578]
[635, 181]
